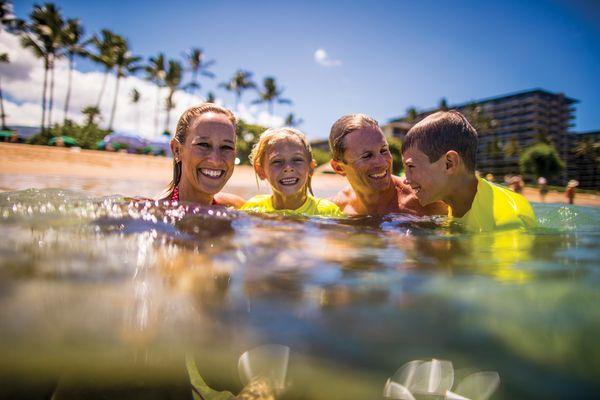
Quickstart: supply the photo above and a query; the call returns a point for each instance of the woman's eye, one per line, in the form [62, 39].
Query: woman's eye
[203, 145]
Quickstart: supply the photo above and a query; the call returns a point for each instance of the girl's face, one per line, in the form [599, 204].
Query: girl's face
[286, 166]
[208, 154]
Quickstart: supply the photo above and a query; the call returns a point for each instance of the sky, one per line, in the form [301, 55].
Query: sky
[331, 57]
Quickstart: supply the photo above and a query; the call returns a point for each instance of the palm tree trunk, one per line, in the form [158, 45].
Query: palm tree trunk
[168, 120]
[157, 110]
[238, 96]
[51, 94]
[68, 89]
[114, 106]
[102, 89]
[43, 127]
[4, 127]
[270, 108]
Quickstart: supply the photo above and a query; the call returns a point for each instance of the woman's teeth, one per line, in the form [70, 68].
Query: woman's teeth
[289, 181]
[379, 175]
[212, 173]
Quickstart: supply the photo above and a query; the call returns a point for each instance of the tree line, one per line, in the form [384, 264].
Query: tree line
[52, 37]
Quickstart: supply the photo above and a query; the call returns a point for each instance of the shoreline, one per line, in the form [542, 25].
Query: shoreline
[101, 171]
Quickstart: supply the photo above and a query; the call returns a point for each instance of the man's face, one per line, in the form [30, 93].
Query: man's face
[427, 179]
[367, 160]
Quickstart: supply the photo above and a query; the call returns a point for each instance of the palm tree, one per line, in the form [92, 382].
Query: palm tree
[270, 94]
[411, 115]
[90, 112]
[8, 19]
[584, 148]
[43, 36]
[197, 66]
[106, 47]
[443, 104]
[173, 77]
[291, 120]
[135, 96]
[239, 82]
[155, 73]
[125, 64]
[210, 97]
[3, 59]
[512, 148]
[72, 40]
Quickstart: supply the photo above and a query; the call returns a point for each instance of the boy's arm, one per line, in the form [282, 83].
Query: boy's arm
[230, 200]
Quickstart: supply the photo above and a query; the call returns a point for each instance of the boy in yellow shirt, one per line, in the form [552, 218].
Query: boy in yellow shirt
[439, 154]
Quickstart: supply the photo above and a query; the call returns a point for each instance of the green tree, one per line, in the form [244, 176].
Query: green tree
[270, 94]
[541, 160]
[481, 121]
[3, 59]
[173, 77]
[395, 146]
[125, 65]
[239, 82]
[443, 104]
[106, 47]
[74, 45]
[247, 136]
[155, 73]
[43, 36]
[291, 120]
[321, 156]
[135, 96]
[411, 115]
[511, 148]
[210, 97]
[198, 66]
[91, 113]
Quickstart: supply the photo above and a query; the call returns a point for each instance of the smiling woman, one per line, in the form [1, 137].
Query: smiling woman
[203, 156]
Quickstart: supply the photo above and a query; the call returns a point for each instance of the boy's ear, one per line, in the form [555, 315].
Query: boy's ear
[261, 173]
[337, 167]
[452, 160]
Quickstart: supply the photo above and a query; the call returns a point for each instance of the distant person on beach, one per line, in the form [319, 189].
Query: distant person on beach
[516, 184]
[283, 158]
[203, 156]
[439, 154]
[543, 184]
[361, 153]
[570, 192]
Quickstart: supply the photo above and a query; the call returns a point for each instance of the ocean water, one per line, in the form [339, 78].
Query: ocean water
[105, 297]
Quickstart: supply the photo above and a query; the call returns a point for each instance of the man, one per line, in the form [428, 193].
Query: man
[361, 153]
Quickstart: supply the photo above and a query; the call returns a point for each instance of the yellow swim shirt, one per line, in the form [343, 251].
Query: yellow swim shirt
[496, 207]
[311, 207]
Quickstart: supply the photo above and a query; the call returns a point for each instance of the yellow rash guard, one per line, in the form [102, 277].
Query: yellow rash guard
[311, 207]
[496, 207]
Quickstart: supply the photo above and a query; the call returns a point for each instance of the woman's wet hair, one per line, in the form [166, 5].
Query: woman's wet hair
[183, 125]
[441, 132]
[272, 135]
[342, 127]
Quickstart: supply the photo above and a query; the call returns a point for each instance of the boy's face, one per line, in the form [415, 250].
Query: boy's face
[428, 179]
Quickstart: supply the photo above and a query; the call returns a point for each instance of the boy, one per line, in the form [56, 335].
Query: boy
[439, 154]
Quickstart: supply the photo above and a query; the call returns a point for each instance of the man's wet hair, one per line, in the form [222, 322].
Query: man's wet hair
[441, 132]
[342, 127]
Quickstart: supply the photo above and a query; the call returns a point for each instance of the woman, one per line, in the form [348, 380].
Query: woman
[203, 157]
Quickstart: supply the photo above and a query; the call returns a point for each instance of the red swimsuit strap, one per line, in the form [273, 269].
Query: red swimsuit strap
[175, 196]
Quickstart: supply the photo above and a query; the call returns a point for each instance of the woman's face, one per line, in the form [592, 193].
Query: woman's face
[208, 154]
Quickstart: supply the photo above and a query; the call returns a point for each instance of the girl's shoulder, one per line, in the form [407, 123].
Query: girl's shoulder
[327, 208]
[261, 202]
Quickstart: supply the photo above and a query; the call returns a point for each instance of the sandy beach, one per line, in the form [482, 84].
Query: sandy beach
[24, 166]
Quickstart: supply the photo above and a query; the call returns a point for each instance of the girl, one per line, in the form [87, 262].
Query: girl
[203, 156]
[283, 157]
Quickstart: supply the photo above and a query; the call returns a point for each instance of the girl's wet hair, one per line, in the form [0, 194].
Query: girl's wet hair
[271, 135]
[183, 125]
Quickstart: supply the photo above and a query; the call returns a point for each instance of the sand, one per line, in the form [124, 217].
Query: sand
[63, 163]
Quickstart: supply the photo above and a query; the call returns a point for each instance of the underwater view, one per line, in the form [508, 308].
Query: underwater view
[112, 297]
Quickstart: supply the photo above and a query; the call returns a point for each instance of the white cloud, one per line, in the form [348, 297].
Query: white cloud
[23, 77]
[322, 58]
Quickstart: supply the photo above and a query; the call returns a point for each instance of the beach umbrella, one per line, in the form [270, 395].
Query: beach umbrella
[67, 141]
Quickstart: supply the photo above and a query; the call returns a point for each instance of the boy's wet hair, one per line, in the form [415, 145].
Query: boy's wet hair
[441, 132]
[342, 127]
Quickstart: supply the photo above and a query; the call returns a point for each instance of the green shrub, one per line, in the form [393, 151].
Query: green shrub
[541, 159]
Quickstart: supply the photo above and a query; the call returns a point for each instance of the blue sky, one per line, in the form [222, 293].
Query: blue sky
[394, 54]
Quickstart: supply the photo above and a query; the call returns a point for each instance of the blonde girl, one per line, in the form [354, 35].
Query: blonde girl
[283, 158]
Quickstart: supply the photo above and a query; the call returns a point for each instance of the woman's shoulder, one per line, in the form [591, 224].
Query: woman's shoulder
[229, 200]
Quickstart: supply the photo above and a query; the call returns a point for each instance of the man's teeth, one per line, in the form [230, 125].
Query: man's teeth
[213, 173]
[380, 175]
[289, 181]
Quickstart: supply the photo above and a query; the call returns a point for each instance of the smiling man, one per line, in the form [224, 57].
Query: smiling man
[361, 153]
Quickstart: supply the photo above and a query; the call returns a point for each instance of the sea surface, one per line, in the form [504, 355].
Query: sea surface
[105, 297]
